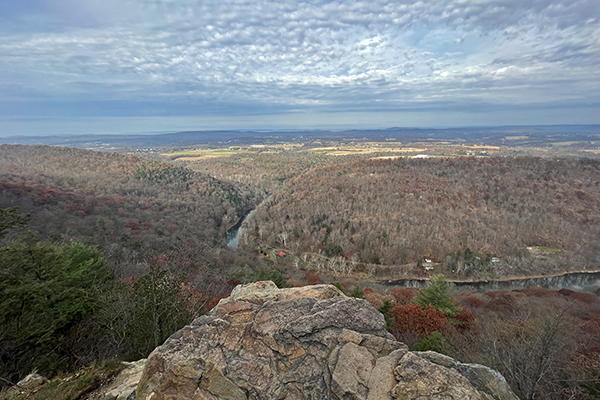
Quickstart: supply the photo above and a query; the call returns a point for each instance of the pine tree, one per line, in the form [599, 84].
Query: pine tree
[437, 295]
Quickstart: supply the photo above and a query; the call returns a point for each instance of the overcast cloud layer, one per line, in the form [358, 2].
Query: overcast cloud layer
[140, 65]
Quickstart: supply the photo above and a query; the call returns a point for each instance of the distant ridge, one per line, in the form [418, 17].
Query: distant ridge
[534, 135]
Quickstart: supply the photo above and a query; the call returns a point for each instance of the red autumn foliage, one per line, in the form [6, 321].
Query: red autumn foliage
[147, 225]
[313, 279]
[592, 326]
[375, 298]
[587, 359]
[566, 292]
[501, 303]
[586, 298]
[132, 225]
[185, 263]
[195, 296]
[214, 301]
[466, 319]
[472, 301]
[404, 296]
[159, 260]
[413, 319]
[539, 292]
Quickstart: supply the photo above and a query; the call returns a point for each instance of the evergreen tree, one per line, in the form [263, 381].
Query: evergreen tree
[160, 308]
[46, 292]
[386, 310]
[264, 274]
[434, 342]
[10, 218]
[437, 295]
[358, 292]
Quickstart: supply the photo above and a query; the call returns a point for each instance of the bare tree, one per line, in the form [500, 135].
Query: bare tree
[283, 237]
[530, 351]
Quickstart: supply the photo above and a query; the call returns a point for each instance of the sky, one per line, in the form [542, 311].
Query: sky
[123, 66]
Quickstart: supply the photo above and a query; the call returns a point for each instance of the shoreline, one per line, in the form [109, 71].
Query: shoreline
[573, 279]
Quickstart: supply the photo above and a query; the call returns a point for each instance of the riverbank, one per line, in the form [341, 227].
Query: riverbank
[579, 280]
[232, 235]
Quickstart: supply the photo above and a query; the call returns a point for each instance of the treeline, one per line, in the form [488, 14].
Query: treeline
[134, 209]
[398, 211]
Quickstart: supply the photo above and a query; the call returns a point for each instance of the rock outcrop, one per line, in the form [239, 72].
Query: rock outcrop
[123, 386]
[31, 381]
[303, 343]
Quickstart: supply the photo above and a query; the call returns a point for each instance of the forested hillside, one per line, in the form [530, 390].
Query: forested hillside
[398, 211]
[135, 209]
[269, 171]
[105, 255]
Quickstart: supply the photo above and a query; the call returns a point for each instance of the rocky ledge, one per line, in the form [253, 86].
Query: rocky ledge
[303, 343]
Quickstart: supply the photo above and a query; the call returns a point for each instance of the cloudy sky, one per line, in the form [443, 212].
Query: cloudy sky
[115, 66]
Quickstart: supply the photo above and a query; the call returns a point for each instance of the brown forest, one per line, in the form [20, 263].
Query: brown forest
[134, 209]
[398, 211]
[267, 170]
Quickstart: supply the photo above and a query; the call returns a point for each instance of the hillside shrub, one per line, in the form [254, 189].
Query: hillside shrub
[414, 322]
[434, 342]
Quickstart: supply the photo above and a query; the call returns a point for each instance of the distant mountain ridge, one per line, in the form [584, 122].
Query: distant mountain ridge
[491, 135]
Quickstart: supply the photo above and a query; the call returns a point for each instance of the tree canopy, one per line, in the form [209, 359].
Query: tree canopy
[11, 218]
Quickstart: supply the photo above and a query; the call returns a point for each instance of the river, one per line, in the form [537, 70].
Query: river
[580, 281]
[233, 235]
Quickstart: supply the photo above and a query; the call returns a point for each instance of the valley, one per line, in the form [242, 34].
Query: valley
[513, 222]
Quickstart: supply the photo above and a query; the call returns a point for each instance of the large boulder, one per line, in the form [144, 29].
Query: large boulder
[303, 343]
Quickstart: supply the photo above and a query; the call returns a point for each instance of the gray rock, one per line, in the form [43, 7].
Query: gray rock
[419, 379]
[302, 343]
[485, 379]
[31, 381]
[122, 386]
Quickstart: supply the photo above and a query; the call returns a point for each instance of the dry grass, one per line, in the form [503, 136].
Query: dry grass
[69, 387]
